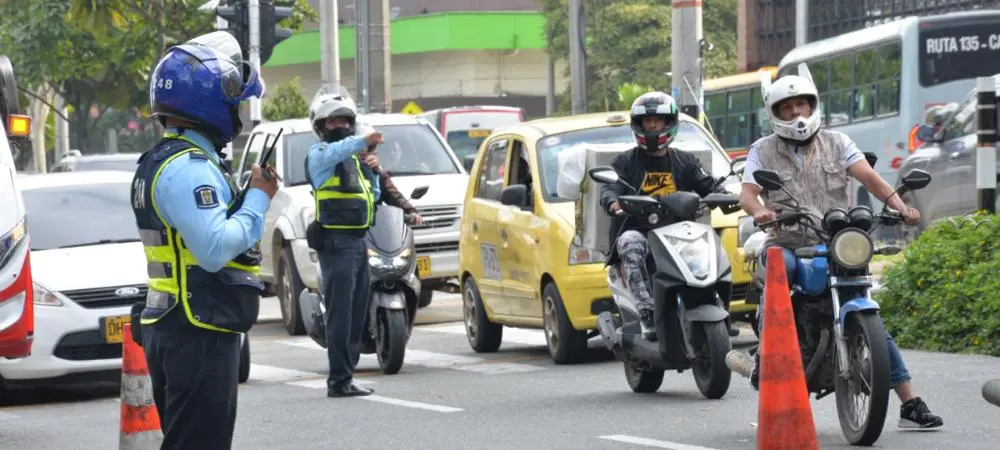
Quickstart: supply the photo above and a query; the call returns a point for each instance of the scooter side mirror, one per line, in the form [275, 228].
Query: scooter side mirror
[916, 179]
[605, 175]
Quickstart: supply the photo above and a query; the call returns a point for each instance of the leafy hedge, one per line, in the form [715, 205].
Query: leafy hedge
[945, 295]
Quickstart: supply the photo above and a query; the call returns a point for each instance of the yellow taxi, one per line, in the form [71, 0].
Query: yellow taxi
[517, 262]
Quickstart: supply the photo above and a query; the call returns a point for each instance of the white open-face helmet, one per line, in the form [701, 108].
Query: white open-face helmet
[786, 87]
[331, 102]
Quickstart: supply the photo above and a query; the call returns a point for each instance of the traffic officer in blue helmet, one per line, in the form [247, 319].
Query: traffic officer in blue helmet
[201, 243]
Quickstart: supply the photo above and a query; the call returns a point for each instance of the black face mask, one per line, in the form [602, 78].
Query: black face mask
[337, 134]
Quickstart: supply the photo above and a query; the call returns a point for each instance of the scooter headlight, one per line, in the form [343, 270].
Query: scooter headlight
[696, 255]
[380, 262]
[852, 248]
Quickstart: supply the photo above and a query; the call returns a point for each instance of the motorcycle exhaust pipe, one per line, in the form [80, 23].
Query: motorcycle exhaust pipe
[739, 362]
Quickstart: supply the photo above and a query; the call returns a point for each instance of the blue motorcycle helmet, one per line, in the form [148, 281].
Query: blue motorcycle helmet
[203, 81]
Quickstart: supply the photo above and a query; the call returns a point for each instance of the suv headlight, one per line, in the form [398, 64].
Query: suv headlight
[46, 297]
[385, 263]
[581, 255]
[852, 248]
[695, 254]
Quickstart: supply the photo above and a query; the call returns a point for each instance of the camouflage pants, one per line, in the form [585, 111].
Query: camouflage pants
[632, 250]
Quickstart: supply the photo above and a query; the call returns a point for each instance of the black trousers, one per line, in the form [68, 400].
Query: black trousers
[346, 289]
[194, 373]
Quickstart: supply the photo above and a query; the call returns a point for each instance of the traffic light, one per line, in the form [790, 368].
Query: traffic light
[237, 16]
[270, 34]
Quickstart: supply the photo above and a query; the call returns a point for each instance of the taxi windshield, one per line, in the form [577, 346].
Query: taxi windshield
[466, 142]
[407, 150]
[96, 213]
[689, 138]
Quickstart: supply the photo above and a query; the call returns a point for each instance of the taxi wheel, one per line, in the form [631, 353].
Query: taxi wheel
[566, 344]
[484, 336]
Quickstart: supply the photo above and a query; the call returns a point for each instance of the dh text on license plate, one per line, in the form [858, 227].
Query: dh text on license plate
[423, 266]
[114, 328]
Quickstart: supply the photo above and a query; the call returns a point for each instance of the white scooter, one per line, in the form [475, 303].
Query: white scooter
[691, 276]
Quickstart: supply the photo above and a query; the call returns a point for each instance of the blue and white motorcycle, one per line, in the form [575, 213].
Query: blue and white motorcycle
[840, 333]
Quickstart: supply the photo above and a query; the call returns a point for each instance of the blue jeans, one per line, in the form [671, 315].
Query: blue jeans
[898, 374]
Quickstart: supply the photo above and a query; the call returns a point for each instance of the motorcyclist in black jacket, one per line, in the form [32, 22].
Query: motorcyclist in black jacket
[656, 170]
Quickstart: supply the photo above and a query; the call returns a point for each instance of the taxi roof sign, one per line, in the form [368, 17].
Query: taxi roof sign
[18, 125]
[412, 109]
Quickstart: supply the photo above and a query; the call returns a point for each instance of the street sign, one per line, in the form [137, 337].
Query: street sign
[412, 109]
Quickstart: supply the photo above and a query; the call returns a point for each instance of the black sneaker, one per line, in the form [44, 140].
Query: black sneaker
[648, 325]
[914, 414]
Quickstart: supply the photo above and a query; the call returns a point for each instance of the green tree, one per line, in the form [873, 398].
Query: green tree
[628, 92]
[628, 41]
[287, 103]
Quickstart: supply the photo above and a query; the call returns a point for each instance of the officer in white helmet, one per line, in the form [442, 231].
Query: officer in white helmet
[814, 164]
[345, 190]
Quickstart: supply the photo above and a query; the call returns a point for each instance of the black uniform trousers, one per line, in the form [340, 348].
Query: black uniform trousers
[346, 289]
[194, 373]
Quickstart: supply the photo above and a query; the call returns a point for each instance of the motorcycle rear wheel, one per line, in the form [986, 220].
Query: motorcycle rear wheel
[864, 330]
[390, 339]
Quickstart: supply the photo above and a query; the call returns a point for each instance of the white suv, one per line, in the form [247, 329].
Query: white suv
[414, 153]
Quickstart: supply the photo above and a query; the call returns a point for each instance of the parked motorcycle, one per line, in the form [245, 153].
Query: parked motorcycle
[691, 275]
[395, 290]
[836, 318]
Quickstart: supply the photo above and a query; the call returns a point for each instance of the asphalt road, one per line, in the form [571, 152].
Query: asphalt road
[449, 397]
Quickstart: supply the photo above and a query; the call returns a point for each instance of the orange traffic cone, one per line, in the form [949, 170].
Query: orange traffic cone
[140, 423]
[784, 416]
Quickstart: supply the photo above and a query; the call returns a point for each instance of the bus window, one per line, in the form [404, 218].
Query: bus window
[890, 63]
[865, 77]
[838, 99]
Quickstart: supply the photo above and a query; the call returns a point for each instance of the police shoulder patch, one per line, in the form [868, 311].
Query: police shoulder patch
[206, 196]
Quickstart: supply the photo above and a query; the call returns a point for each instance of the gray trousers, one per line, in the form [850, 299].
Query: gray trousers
[633, 250]
[346, 290]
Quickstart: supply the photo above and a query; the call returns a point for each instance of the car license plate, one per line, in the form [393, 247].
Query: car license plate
[423, 266]
[478, 133]
[114, 328]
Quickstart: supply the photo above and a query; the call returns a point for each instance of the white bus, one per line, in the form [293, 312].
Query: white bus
[877, 83]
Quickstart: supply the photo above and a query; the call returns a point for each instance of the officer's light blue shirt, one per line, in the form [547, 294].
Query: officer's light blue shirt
[193, 196]
[324, 156]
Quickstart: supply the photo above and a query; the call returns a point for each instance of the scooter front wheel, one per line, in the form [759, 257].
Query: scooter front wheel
[390, 339]
[709, 366]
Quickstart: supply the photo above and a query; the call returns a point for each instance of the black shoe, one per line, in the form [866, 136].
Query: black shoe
[648, 324]
[351, 390]
[914, 414]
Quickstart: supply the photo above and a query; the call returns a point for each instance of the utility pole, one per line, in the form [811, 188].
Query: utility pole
[380, 62]
[362, 56]
[254, 13]
[686, 57]
[329, 28]
[801, 22]
[577, 57]
[550, 92]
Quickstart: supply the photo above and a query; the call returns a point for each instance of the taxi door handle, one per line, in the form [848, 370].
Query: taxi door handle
[503, 235]
[475, 231]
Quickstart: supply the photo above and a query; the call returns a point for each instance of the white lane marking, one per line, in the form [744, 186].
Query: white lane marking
[271, 374]
[409, 404]
[320, 383]
[652, 442]
[433, 360]
[514, 335]
[7, 416]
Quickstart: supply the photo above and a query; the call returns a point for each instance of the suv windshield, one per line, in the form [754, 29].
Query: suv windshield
[689, 138]
[411, 149]
[96, 213]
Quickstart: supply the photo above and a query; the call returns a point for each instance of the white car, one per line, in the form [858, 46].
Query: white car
[414, 153]
[89, 268]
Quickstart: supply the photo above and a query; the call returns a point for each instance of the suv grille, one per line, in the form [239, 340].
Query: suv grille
[437, 217]
[107, 297]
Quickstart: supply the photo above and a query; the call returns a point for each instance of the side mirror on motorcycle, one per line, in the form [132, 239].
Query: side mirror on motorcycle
[872, 158]
[769, 180]
[916, 179]
[737, 165]
[605, 175]
[419, 192]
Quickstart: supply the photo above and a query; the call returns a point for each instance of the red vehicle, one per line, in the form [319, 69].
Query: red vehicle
[466, 127]
[17, 318]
